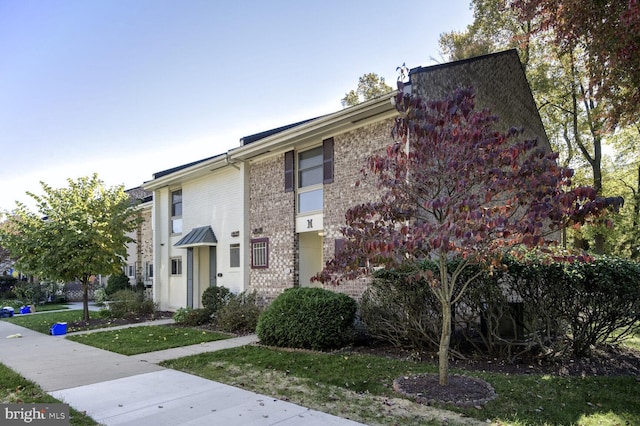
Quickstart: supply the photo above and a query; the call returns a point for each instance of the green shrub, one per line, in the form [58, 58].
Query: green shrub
[30, 293]
[401, 311]
[116, 283]
[239, 315]
[128, 304]
[7, 285]
[191, 317]
[536, 304]
[311, 318]
[180, 315]
[594, 301]
[100, 296]
[214, 298]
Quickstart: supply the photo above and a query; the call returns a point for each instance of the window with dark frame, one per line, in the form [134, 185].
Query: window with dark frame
[234, 255]
[260, 253]
[176, 266]
[310, 172]
[307, 172]
[176, 211]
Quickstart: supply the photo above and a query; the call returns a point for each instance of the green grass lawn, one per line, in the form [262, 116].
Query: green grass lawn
[136, 340]
[16, 305]
[51, 307]
[357, 386]
[16, 389]
[43, 322]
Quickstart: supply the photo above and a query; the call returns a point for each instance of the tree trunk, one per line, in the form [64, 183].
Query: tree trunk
[85, 299]
[445, 340]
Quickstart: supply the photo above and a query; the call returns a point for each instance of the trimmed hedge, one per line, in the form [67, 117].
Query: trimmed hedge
[536, 305]
[308, 318]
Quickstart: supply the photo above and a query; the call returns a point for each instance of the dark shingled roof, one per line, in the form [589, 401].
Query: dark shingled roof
[182, 167]
[243, 141]
[256, 137]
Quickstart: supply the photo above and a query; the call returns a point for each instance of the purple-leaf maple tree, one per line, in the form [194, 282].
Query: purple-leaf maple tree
[452, 187]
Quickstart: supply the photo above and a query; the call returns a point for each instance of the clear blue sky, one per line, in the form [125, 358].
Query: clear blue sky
[129, 88]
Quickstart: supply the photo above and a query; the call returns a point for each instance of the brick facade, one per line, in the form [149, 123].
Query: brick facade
[500, 85]
[272, 216]
[257, 205]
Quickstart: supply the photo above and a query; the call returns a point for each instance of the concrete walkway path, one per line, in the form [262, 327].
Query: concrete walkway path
[120, 390]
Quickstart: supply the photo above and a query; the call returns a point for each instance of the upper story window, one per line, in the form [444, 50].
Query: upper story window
[306, 173]
[310, 167]
[310, 179]
[176, 211]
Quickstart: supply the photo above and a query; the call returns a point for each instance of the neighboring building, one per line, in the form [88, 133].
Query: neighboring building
[280, 198]
[139, 266]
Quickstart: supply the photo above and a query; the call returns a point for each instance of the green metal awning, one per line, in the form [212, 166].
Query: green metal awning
[202, 236]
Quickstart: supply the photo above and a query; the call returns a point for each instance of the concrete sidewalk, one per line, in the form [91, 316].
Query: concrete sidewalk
[119, 390]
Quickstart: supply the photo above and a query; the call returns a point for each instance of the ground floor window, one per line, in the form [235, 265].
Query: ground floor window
[176, 266]
[260, 253]
[234, 255]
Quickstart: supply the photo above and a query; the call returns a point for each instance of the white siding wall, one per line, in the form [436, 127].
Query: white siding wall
[216, 200]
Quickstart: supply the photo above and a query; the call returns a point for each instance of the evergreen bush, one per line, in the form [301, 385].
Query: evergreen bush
[116, 283]
[537, 303]
[309, 318]
[214, 298]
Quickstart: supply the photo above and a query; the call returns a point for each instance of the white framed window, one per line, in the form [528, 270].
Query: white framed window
[260, 253]
[234, 255]
[131, 270]
[176, 212]
[310, 180]
[176, 266]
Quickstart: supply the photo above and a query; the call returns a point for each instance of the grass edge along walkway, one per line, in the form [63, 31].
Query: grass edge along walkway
[16, 389]
[318, 380]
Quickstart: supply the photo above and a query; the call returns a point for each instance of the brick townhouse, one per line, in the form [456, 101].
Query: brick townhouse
[266, 216]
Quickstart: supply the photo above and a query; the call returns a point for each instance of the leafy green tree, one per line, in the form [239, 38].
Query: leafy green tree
[370, 86]
[623, 176]
[568, 95]
[79, 231]
[457, 190]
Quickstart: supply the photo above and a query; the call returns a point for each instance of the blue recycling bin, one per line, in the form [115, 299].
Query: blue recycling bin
[25, 310]
[58, 329]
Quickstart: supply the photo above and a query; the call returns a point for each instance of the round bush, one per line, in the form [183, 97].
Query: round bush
[308, 318]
